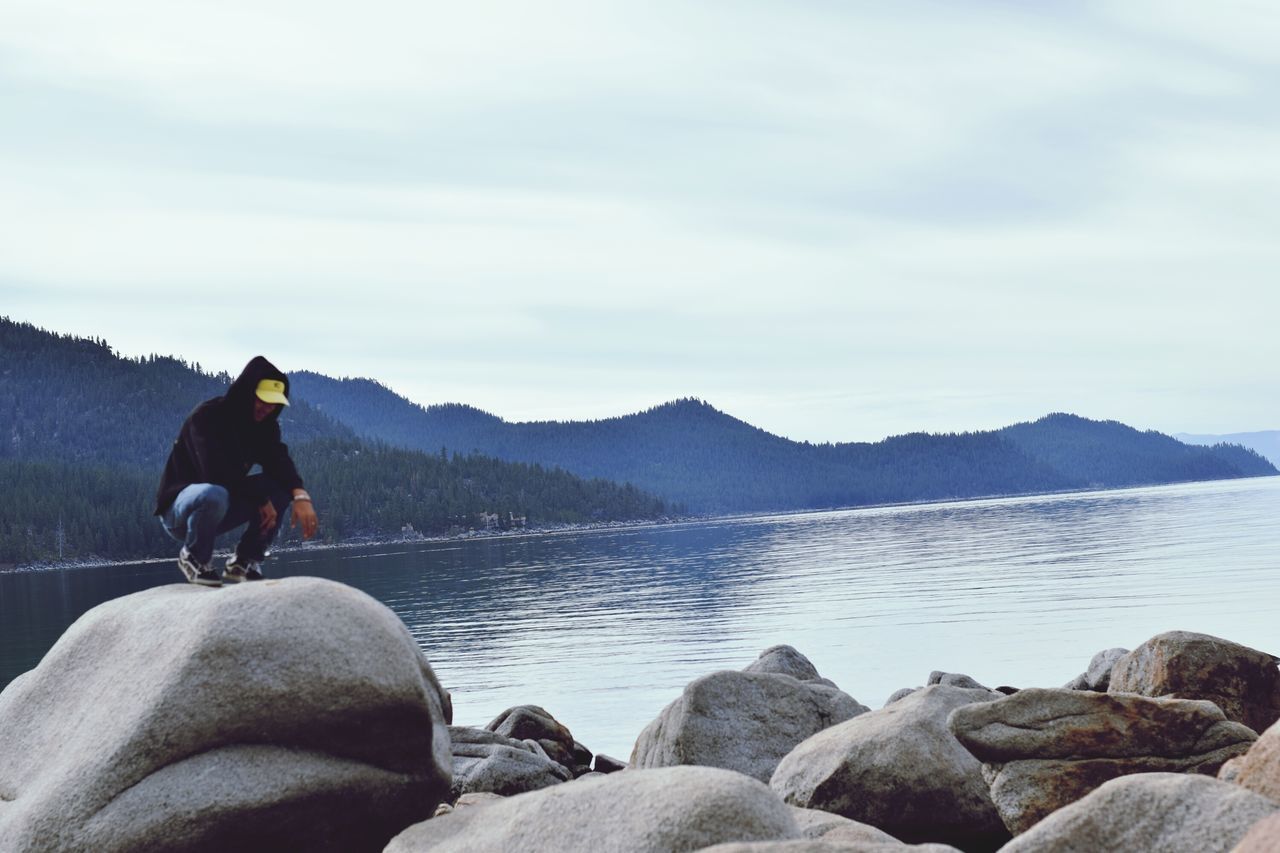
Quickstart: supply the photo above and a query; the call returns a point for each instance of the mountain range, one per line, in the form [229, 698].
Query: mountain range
[693, 454]
[84, 431]
[1265, 442]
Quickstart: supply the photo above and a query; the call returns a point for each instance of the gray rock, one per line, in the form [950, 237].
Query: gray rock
[1262, 837]
[1259, 769]
[640, 811]
[286, 714]
[815, 823]
[900, 770]
[531, 722]
[837, 841]
[484, 761]
[605, 764]
[1169, 812]
[743, 721]
[901, 693]
[955, 679]
[1243, 682]
[1045, 748]
[1080, 682]
[1098, 676]
[784, 660]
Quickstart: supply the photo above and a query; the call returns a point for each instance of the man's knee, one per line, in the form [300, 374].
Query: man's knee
[210, 497]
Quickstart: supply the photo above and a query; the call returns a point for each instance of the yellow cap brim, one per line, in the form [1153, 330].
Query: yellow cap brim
[271, 391]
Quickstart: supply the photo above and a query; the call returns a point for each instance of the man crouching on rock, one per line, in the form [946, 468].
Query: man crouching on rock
[207, 489]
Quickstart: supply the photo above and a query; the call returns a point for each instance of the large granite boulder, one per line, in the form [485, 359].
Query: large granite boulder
[1045, 748]
[286, 714]
[743, 721]
[484, 761]
[1259, 769]
[639, 811]
[899, 769]
[815, 823]
[1243, 682]
[531, 722]
[1169, 812]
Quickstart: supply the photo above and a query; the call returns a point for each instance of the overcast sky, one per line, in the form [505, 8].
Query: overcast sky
[836, 220]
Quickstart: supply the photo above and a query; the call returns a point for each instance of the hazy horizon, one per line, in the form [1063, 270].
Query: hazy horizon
[837, 222]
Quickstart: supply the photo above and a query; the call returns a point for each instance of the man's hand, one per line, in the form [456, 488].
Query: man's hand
[266, 517]
[304, 514]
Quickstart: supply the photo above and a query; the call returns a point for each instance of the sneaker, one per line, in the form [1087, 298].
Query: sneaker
[242, 570]
[197, 572]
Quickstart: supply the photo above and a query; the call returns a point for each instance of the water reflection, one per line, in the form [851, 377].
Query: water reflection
[604, 628]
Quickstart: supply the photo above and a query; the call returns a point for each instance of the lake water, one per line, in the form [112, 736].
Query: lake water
[604, 628]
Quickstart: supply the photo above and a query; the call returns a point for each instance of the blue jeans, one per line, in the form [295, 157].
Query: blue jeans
[203, 510]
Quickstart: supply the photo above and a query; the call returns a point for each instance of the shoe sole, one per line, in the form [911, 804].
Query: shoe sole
[202, 582]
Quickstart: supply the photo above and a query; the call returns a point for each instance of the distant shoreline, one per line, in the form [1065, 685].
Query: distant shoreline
[552, 530]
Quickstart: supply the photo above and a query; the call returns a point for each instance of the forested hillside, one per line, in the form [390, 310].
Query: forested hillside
[687, 451]
[84, 433]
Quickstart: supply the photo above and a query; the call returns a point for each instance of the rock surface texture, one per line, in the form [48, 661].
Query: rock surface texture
[1045, 748]
[743, 721]
[1168, 812]
[1259, 769]
[530, 722]
[1243, 682]
[484, 761]
[1098, 675]
[1262, 837]
[899, 769]
[639, 811]
[289, 714]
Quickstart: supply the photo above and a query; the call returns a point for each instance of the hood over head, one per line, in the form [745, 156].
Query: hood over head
[241, 393]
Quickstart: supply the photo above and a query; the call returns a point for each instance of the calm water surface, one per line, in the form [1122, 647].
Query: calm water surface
[604, 628]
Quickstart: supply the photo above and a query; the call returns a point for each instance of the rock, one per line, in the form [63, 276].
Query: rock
[1243, 682]
[899, 694]
[475, 799]
[815, 823]
[743, 721]
[1230, 771]
[530, 722]
[900, 770]
[1080, 682]
[581, 755]
[835, 842]
[605, 764]
[286, 714]
[1045, 748]
[1169, 812]
[1262, 837]
[785, 660]
[1259, 769]
[1098, 676]
[640, 811]
[954, 679]
[484, 761]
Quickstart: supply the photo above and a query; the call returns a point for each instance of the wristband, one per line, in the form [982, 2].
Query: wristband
[303, 497]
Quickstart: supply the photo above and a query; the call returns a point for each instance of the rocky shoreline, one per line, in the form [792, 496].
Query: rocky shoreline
[300, 714]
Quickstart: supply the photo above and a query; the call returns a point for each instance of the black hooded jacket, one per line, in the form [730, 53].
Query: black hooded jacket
[220, 441]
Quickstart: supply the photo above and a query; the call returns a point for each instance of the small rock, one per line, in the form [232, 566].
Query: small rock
[1080, 682]
[605, 764]
[743, 721]
[1168, 812]
[1259, 769]
[954, 679]
[815, 823]
[784, 660]
[485, 761]
[1098, 676]
[901, 693]
[531, 722]
[640, 811]
[1243, 682]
